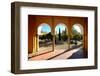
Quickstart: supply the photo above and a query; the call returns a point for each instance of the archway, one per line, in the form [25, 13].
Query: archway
[77, 35]
[44, 38]
[61, 37]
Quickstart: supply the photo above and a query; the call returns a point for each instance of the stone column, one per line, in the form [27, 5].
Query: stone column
[85, 40]
[53, 34]
[69, 34]
[37, 42]
[34, 44]
[53, 39]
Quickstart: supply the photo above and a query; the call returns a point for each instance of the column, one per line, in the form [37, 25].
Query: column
[37, 42]
[53, 39]
[69, 39]
[85, 42]
[34, 44]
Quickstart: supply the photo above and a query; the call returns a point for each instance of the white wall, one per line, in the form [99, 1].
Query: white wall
[5, 42]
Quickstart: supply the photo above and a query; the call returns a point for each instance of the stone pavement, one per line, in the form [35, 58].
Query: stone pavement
[60, 54]
[66, 55]
[77, 55]
[46, 56]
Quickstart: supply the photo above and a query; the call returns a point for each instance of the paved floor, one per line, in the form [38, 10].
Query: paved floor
[47, 55]
[61, 54]
[77, 55]
[70, 53]
[63, 46]
[58, 49]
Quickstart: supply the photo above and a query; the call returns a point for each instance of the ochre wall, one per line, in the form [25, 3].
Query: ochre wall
[34, 22]
[31, 32]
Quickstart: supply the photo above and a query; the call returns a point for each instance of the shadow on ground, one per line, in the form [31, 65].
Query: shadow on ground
[77, 55]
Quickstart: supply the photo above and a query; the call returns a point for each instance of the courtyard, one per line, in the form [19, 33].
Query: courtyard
[57, 37]
[61, 51]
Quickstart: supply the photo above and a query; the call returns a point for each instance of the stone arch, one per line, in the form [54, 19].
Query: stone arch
[44, 34]
[62, 24]
[77, 38]
[41, 25]
[61, 36]
[80, 27]
[52, 21]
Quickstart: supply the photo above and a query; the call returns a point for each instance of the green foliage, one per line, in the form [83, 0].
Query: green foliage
[61, 36]
[47, 36]
[64, 37]
[42, 37]
[75, 36]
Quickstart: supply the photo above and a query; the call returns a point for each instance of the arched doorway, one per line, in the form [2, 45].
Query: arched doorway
[61, 37]
[44, 38]
[77, 35]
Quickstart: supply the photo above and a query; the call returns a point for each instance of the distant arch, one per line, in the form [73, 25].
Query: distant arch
[62, 27]
[78, 27]
[44, 27]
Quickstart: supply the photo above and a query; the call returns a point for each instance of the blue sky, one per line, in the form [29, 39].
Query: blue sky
[46, 28]
[62, 28]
